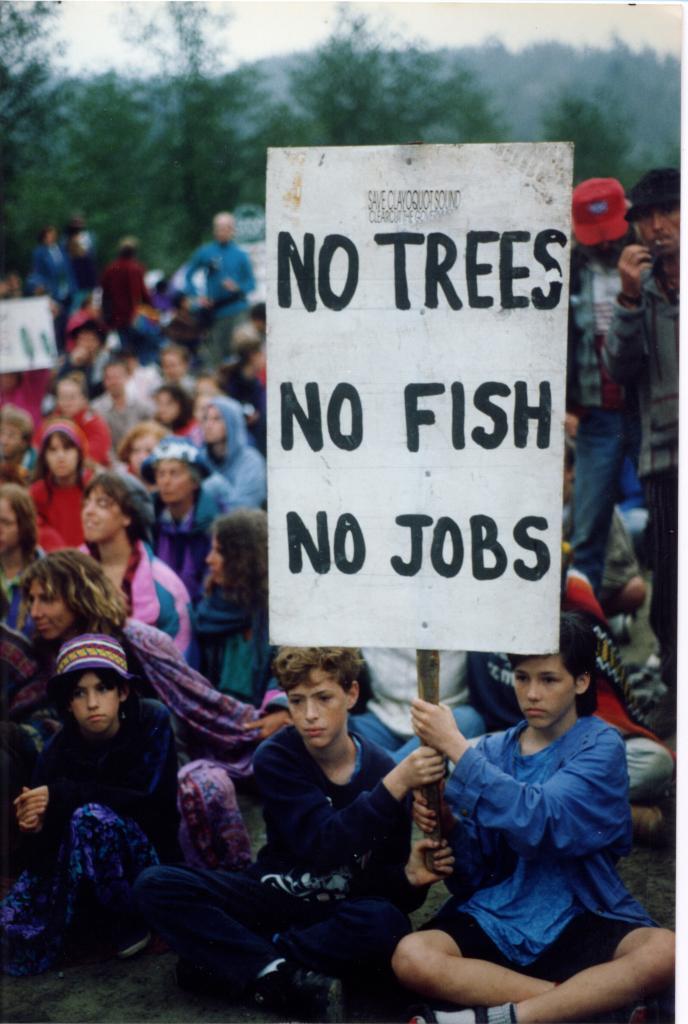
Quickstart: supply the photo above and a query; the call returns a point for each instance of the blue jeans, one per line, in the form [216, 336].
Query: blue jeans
[233, 925]
[369, 726]
[604, 437]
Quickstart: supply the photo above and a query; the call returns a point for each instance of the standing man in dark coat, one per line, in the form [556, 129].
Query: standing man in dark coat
[642, 346]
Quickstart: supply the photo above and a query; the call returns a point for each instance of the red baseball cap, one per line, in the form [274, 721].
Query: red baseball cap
[599, 211]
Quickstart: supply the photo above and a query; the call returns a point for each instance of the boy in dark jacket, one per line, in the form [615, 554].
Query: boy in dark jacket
[330, 889]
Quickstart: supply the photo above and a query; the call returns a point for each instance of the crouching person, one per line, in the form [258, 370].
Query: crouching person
[329, 892]
[540, 927]
[100, 809]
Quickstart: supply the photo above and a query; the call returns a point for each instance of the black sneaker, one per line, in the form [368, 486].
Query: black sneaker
[317, 997]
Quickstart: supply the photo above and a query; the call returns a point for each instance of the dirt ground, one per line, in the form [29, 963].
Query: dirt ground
[143, 989]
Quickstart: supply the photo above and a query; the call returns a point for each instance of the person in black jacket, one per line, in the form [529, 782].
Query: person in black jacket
[100, 809]
[330, 890]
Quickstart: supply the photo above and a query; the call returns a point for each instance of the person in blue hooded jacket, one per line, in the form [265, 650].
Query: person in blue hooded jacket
[230, 453]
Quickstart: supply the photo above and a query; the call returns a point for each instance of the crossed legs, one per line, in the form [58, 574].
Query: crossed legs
[431, 964]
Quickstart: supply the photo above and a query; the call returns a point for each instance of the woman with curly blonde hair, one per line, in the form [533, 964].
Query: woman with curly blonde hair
[68, 594]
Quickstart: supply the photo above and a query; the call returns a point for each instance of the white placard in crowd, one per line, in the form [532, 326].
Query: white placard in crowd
[27, 336]
[417, 311]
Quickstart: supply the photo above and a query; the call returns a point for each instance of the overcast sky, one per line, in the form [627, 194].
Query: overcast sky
[93, 30]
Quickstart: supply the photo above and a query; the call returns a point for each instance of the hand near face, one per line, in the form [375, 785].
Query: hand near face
[633, 261]
[436, 727]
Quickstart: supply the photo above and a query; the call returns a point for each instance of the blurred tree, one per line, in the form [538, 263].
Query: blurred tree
[353, 90]
[27, 46]
[203, 129]
[100, 157]
[602, 141]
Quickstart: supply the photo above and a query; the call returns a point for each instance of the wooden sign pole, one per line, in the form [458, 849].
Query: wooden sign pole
[428, 671]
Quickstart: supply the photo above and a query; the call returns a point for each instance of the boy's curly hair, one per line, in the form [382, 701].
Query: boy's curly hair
[76, 578]
[293, 664]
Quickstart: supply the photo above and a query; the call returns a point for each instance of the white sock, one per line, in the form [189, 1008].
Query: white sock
[504, 1014]
[272, 966]
[455, 1016]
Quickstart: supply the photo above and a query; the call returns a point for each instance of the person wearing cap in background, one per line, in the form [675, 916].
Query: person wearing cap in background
[117, 517]
[101, 807]
[601, 413]
[228, 281]
[60, 478]
[86, 352]
[642, 349]
[124, 289]
[185, 508]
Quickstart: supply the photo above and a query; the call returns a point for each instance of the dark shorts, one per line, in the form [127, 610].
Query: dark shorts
[588, 940]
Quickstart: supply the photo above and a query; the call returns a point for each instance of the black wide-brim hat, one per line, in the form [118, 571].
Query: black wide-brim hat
[659, 187]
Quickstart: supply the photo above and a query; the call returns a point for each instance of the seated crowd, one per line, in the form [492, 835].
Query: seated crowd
[139, 690]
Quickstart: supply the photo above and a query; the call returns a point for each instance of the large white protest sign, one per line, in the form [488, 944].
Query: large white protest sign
[27, 336]
[417, 308]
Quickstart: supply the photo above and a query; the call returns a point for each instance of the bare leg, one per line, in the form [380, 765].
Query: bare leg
[431, 964]
[643, 963]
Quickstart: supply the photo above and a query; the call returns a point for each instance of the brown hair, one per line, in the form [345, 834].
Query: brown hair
[294, 664]
[77, 377]
[114, 487]
[183, 399]
[13, 416]
[242, 537]
[41, 471]
[137, 431]
[176, 350]
[20, 502]
[76, 578]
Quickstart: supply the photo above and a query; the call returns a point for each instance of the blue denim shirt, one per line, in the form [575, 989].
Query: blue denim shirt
[580, 816]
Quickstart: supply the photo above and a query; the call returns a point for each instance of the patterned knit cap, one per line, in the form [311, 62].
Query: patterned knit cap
[68, 427]
[89, 651]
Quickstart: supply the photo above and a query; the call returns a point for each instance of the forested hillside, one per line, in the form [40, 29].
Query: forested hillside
[157, 156]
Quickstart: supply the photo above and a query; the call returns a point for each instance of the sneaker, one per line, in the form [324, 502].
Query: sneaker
[317, 996]
[131, 941]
